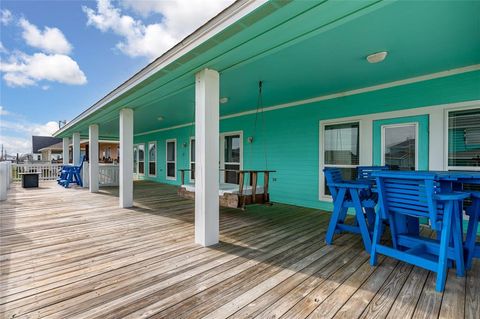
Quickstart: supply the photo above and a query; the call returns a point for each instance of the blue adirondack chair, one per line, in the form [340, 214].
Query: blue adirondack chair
[71, 174]
[350, 194]
[472, 248]
[418, 195]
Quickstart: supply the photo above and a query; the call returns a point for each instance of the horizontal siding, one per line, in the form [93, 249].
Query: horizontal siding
[292, 138]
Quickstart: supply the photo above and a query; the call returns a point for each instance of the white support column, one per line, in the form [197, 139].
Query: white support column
[207, 91]
[93, 157]
[76, 148]
[126, 158]
[66, 150]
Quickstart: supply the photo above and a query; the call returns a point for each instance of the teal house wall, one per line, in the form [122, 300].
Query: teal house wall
[291, 135]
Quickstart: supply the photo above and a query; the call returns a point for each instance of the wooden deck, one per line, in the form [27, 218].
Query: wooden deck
[66, 253]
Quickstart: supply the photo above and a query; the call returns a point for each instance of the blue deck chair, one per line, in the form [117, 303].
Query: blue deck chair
[472, 248]
[350, 194]
[364, 173]
[71, 174]
[418, 195]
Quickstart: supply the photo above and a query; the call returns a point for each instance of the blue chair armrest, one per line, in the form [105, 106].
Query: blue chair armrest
[474, 194]
[451, 196]
[359, 185]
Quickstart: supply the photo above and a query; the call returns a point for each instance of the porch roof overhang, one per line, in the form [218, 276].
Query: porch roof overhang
[300, 49]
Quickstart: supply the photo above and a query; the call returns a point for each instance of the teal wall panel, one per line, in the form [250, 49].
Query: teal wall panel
[291, 135]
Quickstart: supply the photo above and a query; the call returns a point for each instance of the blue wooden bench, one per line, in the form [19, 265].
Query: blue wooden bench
[350, 194]
[418, 195]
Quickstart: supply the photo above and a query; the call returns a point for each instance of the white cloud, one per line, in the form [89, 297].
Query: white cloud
[46, 129]
[50, 40]
[52, 64]
[2, 48]
[24, 70]
[177, 20]
[13, 144]
[3, 112]
[16, 136]
[5, 17]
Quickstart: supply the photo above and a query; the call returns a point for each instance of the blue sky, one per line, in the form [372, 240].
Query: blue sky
[60, 57]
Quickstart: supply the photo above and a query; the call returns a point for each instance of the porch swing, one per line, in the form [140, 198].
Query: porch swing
[247, 191]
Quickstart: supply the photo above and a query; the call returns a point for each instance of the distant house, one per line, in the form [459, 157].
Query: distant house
[46, 148]
[52, 152]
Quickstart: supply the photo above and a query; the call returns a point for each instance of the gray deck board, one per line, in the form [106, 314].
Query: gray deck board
[67, 253]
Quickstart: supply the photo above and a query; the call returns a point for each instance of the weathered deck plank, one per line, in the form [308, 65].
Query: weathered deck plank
[66, 253]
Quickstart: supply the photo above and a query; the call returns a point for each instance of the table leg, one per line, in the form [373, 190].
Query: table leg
[337, 209]
[362, 223]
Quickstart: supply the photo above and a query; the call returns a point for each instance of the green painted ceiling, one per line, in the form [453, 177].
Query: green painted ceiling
[304, 49]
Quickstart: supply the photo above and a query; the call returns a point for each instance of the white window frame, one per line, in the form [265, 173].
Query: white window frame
[322, 165]
[135, 173]
[192, 138]
[385, 126]
[446, 114]
[222, 152]
[170, 178]
[150, 161]
[138, 159]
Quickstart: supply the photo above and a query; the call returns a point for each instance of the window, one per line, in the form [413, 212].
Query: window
[141, 159]
[232, 157]
[464, 139]
[341, 148]
[171, 159]
[192, 159]
[399, 146]
[152, 158]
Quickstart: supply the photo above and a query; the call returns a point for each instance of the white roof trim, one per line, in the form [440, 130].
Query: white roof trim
[230, 15]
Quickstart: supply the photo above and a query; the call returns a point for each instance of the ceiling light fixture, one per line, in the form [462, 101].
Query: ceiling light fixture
[377, 57]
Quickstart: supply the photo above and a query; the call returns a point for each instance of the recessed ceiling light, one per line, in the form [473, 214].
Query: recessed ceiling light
[377, 57]
[223, 100]
[160, 118]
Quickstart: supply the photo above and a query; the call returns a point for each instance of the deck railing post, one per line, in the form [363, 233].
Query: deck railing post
[3, 180]
[126, 158]
[207, 91]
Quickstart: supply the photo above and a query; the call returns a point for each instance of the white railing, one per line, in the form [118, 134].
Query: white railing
[5, 179]
[48, 171]
[108, 175]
